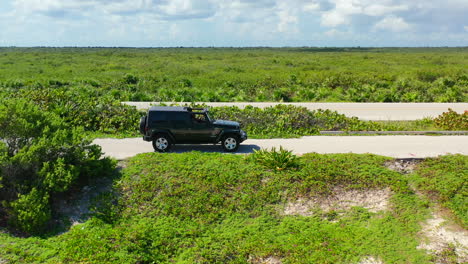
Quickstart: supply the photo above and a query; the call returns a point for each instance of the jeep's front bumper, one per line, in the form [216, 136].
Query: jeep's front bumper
[243, 136]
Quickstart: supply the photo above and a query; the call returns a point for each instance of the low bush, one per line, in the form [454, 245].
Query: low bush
[40, 156]
[276, 160]
[290, 121]
[452, 120]
[85, 107]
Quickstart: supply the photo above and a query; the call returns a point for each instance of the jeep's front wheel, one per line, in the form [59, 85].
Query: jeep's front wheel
[230, 143]
[162, 143]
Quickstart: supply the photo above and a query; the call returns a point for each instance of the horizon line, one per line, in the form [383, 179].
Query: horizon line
[236, 47]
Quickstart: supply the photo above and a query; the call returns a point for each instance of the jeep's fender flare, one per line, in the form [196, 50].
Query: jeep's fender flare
[162, 131]
[227, 132]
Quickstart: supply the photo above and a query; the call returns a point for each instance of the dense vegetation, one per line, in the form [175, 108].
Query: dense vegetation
[84, 87]
[102, 115]
[81, 106]
[248, 74]
[213, 208]
[283, 121]
[216, 208]
[41, 157]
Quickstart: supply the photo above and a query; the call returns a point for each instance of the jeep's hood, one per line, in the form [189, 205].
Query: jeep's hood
[227, 124]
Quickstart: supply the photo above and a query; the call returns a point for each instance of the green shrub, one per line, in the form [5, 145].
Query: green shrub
[41, 156]
[289, 120]
[85, 107]
[276, 160]
[452, 120]
[130, 79]
[30, 212]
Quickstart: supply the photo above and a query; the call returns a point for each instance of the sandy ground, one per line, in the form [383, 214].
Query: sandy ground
[341, 200]
[391, 146]
[438, 235]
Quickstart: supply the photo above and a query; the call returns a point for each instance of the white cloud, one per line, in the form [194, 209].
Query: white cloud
[334, 18]
[341, 13]
[392, 23]
[333, 33]
[53, 7]
[286, 21]
[380, 10]
[163, 9]
[269, 22]
[187, 9]
[344, 10]
[287, 17]
[275, 16]
[311, 7]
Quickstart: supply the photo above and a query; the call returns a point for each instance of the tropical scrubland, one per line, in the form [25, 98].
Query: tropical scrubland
[245, 74]
[100, 115]
[268, 206]
[84, 86]
[61, 201]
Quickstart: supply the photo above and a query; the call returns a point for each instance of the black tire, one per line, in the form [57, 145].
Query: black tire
[162, 143]
[142, 125]
[230, 143]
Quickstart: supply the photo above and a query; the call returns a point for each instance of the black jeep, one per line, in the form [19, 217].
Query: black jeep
[167, 125]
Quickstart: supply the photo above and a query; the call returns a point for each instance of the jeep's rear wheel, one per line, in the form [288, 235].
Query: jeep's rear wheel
[162, 143]
[230, 143]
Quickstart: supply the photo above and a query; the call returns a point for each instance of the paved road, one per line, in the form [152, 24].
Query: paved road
[392, 146]
[365, 111]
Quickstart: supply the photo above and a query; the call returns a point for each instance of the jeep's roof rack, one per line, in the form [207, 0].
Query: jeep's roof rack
[190, 109]
[176, 109]
[169, 108]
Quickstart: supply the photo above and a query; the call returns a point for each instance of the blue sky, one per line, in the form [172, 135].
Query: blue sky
[164, 23]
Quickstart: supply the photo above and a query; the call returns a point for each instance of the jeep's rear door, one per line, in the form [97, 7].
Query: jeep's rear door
[180, 126]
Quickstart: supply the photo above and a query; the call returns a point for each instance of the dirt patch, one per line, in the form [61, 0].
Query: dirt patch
[370, 260]
[373, 199]
[266, 260]
[76, 209]
[403, 166]
[122, 164]
[443, 240]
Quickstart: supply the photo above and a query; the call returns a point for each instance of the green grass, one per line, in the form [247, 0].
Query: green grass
[247, 74]
[445, 180]
[218, 208]
[426, 124]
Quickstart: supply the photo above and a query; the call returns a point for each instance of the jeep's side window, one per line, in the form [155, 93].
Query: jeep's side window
[158, 117]
[179, 120]
[198, 118]
[179, 116]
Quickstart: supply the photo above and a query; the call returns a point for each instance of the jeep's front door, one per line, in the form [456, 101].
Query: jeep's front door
[202, 129]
